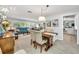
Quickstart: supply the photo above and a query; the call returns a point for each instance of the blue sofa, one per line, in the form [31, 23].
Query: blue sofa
[22, 30]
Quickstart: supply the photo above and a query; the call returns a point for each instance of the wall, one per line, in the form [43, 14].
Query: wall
[77, 24]
[58, 29]
[14, 21]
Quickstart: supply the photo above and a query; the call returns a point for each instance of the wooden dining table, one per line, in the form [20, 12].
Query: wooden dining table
[49, 37]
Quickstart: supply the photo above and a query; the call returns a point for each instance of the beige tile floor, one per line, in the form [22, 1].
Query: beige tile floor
[60, 47]
[70, 38]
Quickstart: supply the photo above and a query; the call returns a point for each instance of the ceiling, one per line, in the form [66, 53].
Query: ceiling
[35, 10]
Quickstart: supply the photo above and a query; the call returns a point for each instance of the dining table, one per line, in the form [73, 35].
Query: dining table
[49, 37]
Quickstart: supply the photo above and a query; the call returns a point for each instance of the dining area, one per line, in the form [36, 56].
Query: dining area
[42, 39]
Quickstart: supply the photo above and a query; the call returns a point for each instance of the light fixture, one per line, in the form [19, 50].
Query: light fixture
[4, 11]
[29, 11]
[42, 18]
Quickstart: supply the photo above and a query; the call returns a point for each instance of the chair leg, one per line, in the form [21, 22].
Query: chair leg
[40, 49]
[35, 46]
[31, 42]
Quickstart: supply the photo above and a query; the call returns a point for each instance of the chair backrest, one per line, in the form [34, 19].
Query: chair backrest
[32, 36]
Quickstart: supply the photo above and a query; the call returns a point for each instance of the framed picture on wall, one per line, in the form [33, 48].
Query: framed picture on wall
[55, 23]
[44, 25]
[49, 24]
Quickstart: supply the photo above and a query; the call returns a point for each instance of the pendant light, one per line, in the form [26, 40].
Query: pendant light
[42, 18]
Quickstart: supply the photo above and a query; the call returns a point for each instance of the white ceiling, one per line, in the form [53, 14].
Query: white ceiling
[21, 10]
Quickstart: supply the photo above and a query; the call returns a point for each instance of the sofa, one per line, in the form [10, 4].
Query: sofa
[22, 30]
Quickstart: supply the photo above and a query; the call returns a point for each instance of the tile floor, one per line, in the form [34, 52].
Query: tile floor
[60, 47]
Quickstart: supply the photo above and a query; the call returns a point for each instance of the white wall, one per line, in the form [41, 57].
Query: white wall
[77, 24]
[58, 29]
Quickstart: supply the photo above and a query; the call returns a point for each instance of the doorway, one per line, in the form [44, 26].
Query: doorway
[69, 30]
